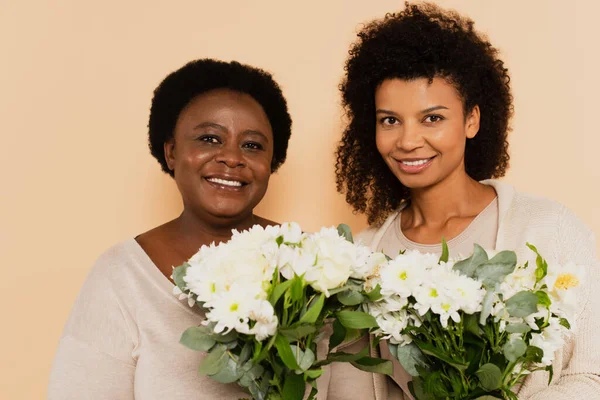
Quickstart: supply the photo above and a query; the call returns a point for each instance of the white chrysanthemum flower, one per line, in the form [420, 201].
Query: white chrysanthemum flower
[520, 279]
[291, 232]
[549, 340]
[405, 273]
[391, 326]
[563, 283]
[263, 313]
[230, 310]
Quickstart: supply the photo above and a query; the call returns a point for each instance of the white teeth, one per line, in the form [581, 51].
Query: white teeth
[414, 163]
[224, 182]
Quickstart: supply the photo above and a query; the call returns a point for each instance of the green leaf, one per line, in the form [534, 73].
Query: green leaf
[514, 348]
[304, 358]
[278, 291]
[296, 290]
[279, 240]
[285, 352]
[543, 298]
[517, 328]
[298, 332]
[356, 320]
[230, 373]
[313, 312]
[430, 350]
[345, 231]
[471, 325]
[375, 365]
[374, 294]
[486, 307]
[313, 373]
[522, 304]
[293, 387]
[178, 274]
[534, 354]
[197, 338]
[445, 252]
[350, 297]
[215, 361]
[344, 357]
[338, 335]
[434, 384]
[565, 323]
[490, 377]
[493, 271]
[410, 356]
[417, 390]
[542, 266]
[467, 267]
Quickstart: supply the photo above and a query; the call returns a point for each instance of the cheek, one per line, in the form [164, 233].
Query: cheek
[385, 142]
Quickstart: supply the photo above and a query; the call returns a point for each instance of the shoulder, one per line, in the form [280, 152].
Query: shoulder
[365, 237]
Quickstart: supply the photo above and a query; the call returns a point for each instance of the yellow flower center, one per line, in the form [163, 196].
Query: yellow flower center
[233, 307]
[446, 307]
[403, 275]
[433, 293]
[213, 287]
[566, 281]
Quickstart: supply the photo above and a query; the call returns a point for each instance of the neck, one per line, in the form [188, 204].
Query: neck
[455, 196]
[197, 231]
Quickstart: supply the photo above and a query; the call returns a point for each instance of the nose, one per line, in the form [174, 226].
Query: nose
[410, 138]
[230, 155]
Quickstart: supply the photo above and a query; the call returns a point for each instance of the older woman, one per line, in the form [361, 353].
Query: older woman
[429, 105]
[219, 129]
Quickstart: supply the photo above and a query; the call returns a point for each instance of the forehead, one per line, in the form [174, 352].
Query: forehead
[226, 106]
[419, 93]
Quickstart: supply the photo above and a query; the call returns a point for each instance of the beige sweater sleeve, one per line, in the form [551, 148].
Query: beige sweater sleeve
[94, 358]
[580, 375]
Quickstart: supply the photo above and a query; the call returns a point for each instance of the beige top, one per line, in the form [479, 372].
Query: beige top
[482, 230]
[561, 237]
[121, 341]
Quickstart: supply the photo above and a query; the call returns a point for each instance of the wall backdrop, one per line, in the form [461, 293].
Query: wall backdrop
[76, 79]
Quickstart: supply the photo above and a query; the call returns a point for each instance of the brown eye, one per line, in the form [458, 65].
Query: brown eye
[209, 139]
[433, 118]
[253, 146]
[388, 121]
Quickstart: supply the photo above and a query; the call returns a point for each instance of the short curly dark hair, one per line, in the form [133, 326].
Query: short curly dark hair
[422, 41]
[179, 88]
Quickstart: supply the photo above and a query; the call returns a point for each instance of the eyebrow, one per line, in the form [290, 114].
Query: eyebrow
[223, 129]
[425, 111]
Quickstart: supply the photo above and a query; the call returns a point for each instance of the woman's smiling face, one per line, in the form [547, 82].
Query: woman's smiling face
[221, 154]
[421, 130]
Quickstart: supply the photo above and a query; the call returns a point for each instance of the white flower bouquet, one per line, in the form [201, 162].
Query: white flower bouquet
[267, 295]
[473, 328]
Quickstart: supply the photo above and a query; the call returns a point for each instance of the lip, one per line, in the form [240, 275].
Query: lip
[414, 169]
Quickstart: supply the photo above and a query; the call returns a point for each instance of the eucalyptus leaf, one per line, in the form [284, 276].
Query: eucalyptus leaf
[350, 297]
[197, 338]
[493, 271]
[306, 360]
[514, 348]
[215, 361]
[410, 356]
[490, 377]
[522, 304]
[356, 320]
[467, 267]
[230, 372]
[345, 231]
[517, 328]
[178, 274]
[313, 312]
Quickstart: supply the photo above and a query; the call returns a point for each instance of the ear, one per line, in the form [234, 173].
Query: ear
[472, 122]
[169, 148]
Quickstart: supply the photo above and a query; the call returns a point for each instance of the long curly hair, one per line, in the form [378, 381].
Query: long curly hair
[422, 41]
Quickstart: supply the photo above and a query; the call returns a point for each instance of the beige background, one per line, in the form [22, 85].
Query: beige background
[76, 79]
